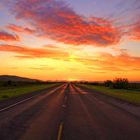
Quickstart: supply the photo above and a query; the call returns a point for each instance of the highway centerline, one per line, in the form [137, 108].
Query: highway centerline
[60, 130]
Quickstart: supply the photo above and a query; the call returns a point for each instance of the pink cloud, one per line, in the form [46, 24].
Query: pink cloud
[8, 37]
[135, 33]
[21, 29]
[56, 20]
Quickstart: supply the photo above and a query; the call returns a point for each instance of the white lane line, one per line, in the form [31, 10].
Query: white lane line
[80, 90]
[10, 106]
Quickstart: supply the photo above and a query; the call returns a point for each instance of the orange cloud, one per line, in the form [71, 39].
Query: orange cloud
[108, 62]
[21, 29]
[27, 52]
[8, 37]
[124, 61]
[135, 33]
[54, 19]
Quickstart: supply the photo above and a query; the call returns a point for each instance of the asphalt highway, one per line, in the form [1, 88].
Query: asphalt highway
[67, 112]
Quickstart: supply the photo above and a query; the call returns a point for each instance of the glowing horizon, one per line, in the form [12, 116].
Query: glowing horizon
[68, 40]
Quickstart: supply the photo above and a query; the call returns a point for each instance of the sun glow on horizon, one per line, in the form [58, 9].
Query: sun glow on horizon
[72, 79]
[74, 44]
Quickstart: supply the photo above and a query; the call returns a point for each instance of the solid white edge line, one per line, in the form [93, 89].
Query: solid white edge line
[10, 106]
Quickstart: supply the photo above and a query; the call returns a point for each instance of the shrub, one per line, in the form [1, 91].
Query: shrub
[94, 83]
[121, 83]
[108, 83]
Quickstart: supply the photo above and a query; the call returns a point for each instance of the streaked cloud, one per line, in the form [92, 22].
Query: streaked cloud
[43, 67]
[17, 28]
[28, 52]
[135, 33]
[5, 36]
[106, 62]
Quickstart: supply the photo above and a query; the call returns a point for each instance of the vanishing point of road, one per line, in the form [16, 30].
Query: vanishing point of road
[67, 112]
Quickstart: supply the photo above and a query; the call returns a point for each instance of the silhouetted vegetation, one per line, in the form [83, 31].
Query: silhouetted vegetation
[89, 83]
[108, 83]
[135, 86]
[120, 83]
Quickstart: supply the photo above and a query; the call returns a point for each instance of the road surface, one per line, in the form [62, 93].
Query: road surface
[67, 112]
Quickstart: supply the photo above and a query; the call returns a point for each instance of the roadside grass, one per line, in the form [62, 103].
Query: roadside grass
[132, 96]
[17, 91]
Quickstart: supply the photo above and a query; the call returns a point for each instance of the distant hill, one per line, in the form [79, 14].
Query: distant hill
[16, 78]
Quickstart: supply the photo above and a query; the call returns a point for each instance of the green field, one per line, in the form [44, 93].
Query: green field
[131, 96]
[8, 92]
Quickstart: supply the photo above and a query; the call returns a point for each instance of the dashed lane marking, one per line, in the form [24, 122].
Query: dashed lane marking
[60, 131]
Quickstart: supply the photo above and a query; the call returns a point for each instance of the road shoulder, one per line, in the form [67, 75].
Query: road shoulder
[131, 108]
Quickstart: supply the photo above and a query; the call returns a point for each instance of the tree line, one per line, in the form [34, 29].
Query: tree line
[117, 83]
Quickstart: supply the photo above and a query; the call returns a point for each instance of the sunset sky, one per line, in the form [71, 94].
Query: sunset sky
[70, 39]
